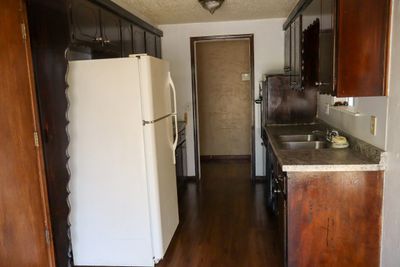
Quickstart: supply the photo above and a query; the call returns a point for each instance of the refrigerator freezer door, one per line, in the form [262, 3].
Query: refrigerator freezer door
[155, 88]
[110, 214]
[162, 183]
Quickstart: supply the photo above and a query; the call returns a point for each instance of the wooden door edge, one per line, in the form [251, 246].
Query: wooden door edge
[39, 150]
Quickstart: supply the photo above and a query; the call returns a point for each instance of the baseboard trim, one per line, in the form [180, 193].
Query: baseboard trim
[260, 179]
[224, 157]
[191, 179]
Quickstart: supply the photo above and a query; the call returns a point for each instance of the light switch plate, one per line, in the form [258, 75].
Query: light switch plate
[245, 76]
[373, 124]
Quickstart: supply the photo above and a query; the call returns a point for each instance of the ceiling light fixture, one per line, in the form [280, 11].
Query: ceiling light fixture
[211, 5]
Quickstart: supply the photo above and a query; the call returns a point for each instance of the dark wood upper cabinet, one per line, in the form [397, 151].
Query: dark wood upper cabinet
[362, 45]
[111, 31]
[296, 50]
[150, 44]
[158, 46]
[85, 18]
[287, 50]
[310, 62]
[327, 47]
[352, 44]
[139, 40]
[108, 34]
[127, 38]
[310, 45]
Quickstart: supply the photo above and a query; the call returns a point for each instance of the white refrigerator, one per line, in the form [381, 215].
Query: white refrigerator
[123, 197]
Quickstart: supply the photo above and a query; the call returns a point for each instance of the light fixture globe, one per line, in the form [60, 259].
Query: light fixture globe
[211, 5]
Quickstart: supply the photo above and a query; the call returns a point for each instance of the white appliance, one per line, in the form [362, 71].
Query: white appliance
[124, 207]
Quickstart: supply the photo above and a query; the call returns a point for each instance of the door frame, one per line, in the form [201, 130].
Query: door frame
[193, 42]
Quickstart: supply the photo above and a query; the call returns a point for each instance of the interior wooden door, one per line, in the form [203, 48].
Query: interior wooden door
[25, 236]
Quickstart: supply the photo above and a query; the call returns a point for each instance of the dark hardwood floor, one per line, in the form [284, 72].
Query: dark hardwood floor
[223, 221]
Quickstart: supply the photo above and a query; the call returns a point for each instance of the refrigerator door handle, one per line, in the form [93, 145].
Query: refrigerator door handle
[176, 137]
[171, 83]
[174, 114]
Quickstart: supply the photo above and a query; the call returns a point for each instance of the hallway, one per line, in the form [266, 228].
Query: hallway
[223, 221]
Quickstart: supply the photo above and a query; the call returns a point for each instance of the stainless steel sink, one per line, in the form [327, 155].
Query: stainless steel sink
[299, 138]
[304, 145]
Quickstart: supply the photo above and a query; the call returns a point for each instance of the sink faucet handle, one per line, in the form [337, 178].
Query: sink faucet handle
[330, 134]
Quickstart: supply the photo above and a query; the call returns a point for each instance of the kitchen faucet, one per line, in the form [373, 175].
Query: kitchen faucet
[330, 134]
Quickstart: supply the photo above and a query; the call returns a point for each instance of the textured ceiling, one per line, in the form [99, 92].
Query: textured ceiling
[189, 11]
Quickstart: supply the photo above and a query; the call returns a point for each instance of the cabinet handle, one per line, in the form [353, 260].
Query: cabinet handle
[320, 83]
[106, 41]
[98, 39]
[277, 191]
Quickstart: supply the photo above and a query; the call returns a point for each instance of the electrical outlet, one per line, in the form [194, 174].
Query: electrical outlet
[327, 107]
[373, 124]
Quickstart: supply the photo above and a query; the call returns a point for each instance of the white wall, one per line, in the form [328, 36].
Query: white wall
[358, 126]
[391, 216]
[268, 57]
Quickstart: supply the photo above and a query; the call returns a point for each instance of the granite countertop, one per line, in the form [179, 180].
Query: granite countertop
[360, 156]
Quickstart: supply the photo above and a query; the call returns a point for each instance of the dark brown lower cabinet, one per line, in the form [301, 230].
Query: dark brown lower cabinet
[180, 153]
[333, 218]
[326, 218]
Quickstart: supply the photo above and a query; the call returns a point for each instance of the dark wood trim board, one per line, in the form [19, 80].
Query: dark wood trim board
[193, 41]
[110, 5]
[224, 157]
[296, 10]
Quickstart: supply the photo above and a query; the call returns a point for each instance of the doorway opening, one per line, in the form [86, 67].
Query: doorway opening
[223, 96]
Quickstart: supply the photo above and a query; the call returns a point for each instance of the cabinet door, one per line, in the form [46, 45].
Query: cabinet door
[139, 41]
[111, 31]
[127, 43]
[150, 44]
[326, 47]
[158, 46]
[287, 50]
[85, 18]
[362, 45]
[296, 46]
[310, 56]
